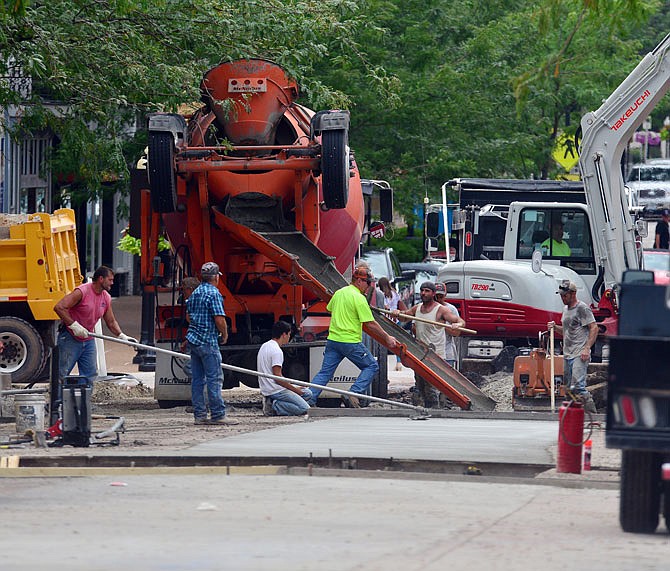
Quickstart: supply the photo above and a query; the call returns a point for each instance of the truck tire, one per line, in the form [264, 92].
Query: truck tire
[640, 497]
[24, 354]
[162, 177]
[335, 169]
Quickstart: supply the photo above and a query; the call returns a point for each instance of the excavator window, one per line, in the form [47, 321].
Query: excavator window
[562, 234]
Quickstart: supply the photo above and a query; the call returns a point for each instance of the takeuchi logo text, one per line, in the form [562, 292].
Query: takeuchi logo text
[632, 109]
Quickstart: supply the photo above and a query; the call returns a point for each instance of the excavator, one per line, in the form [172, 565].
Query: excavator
[270, 191]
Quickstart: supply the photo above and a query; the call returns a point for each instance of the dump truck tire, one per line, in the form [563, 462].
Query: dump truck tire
[335, 168]
[24, 354]
[162, 177]
[639, 502]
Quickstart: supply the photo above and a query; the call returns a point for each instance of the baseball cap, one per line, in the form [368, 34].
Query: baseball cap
[428, 285]
[210, 269]
[440, 289]
[565, 286]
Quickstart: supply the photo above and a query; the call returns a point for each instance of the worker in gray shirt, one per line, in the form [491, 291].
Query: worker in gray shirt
[579, 331]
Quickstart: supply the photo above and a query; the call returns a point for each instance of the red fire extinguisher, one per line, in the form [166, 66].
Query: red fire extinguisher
[570, 437]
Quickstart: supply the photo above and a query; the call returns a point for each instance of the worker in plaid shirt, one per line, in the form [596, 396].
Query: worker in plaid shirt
[206, 320]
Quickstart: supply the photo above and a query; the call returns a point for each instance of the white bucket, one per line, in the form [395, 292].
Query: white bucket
[30, 411]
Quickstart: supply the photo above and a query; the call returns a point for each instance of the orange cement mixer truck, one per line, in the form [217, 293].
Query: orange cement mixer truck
[270, 191]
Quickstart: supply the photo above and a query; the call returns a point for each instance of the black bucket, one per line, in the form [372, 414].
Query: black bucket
[77, 392]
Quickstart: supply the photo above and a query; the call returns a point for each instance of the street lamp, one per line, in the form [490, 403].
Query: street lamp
[646, 125]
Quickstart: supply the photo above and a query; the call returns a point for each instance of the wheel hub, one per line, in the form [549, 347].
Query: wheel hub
[14, 352]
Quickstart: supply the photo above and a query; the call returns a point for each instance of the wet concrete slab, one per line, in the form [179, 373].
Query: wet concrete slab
[446, 439]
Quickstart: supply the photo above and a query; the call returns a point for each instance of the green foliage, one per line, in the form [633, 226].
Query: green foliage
[408, 249]
[484, 87]
[133, 245]
[109, 62]
[438, 89]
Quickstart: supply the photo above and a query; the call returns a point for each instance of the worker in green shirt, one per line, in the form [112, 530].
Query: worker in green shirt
[556, 246]
[349, 311]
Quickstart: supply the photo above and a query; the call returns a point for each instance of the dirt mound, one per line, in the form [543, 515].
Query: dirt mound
[111, 391]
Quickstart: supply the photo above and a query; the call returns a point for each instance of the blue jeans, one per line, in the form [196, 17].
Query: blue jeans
[288, 403]
[358, 354]
[574, 374]
[207, 372]
[72, 352]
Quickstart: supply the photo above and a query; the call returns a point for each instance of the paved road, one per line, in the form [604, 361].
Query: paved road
[279, 522]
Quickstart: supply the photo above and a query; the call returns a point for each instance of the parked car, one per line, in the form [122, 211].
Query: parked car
[650, 181]
[384, 263]
[425, 272]
[658, 261]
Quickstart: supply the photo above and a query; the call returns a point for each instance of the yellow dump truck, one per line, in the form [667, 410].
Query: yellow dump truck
[39, 264]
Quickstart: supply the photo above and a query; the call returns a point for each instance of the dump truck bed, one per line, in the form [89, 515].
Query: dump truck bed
[39, 259]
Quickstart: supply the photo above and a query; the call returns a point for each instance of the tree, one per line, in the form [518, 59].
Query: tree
[484, 87]
[109, 61]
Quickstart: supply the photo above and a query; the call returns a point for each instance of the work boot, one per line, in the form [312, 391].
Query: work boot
[351, 402]
[354, 402]
[267, 407]
[224, 420]
[417, 398]
[201, 421]
[589, 405]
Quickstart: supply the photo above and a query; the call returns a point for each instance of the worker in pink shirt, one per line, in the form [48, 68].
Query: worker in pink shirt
[79, 311]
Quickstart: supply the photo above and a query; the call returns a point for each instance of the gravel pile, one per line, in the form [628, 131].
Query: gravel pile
[12, 219]
[7, 220]
[498, 386]
[112, 391]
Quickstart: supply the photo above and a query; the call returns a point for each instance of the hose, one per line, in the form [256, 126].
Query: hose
[116, 427]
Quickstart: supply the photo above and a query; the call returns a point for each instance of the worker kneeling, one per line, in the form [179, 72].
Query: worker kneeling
[279, 397]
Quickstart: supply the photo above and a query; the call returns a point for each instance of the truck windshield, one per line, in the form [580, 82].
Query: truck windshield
[560, 233]
[649, 173]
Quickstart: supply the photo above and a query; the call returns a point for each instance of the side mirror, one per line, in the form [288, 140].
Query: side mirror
[433, 224]
[386, 204]
[637, 276]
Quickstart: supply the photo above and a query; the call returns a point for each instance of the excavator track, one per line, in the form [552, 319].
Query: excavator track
[313, 269]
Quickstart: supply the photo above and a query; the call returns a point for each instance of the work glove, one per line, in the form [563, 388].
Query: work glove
[79, 330]
[125, 337]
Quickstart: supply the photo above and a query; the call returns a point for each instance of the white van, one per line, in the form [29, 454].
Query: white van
[650, 181]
